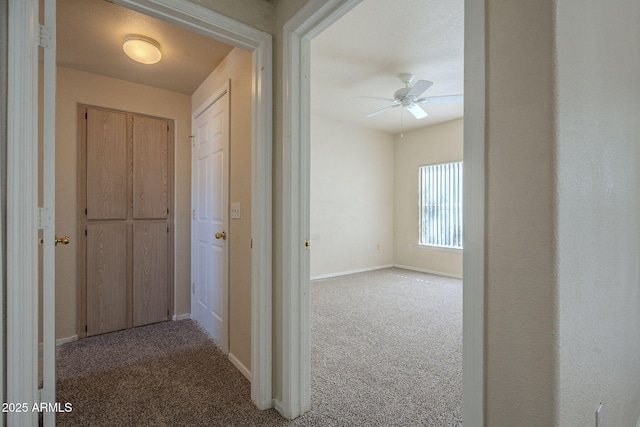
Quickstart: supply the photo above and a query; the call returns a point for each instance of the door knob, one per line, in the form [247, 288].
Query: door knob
[64, 240]
[221, 235]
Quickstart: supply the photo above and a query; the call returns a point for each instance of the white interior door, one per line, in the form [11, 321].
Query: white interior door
[210, 183]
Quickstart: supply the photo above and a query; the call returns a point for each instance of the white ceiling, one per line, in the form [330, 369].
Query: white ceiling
[90, 35]
[363, 53]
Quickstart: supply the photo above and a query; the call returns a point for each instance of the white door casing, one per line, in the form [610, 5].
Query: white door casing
[24, 216]
[210, 218]
[47, 215]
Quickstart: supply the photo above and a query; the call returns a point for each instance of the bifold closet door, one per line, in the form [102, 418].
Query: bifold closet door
[150, 273]
[127, 186]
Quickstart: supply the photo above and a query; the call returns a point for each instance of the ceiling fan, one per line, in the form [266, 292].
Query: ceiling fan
[409, 97]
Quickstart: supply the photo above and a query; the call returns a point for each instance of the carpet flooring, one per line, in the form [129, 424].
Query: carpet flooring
[386, 350]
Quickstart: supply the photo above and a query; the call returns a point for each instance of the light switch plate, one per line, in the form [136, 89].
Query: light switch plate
[235, 210]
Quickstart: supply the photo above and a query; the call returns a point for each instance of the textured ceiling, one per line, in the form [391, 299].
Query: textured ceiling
[360, 55]
[364, 52]
[90, 35]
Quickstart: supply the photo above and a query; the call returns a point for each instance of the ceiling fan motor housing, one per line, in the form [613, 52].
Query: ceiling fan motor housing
[401, 94]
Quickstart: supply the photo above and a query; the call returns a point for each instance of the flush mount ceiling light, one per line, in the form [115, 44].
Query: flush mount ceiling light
[141, 49]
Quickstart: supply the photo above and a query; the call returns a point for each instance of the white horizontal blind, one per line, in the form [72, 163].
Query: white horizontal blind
[441, 205]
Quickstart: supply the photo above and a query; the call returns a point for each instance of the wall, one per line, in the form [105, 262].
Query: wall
[75, 87]
[441, 143]
[255, 13]
[563, 213]
[521, 283]
[351, 198]
[237, 66]
[599, 211]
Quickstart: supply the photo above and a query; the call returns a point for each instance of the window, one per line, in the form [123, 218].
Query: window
[441, 205]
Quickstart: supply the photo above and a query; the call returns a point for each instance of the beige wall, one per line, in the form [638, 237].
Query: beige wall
[439, 143]
[520, 242]
[237, 67]
[255, 13]
[74, 87]
[351, 198]
[598, 187]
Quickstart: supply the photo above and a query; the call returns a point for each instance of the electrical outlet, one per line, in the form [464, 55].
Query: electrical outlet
[599, 416]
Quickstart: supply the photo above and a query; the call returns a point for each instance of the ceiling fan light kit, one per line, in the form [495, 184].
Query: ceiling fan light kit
[408, 97]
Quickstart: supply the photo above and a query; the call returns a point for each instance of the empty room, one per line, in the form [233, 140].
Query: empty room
[386, 215]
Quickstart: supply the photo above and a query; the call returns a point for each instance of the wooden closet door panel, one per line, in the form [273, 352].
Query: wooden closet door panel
[150, 166]
[106, 278]
[150, 273]
[107, 165]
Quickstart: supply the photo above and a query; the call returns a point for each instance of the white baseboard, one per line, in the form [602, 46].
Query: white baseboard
[60, 341]
[181, 316]
[424, 270]
[344, 273]
[277, 405]
[243, 369]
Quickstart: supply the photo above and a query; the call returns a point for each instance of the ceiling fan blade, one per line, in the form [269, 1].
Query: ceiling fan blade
[383, 110]
[417, 112]
[440, 99]
[419, 88]
[377, 99]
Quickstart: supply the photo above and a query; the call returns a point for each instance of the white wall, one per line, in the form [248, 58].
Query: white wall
[351, 198]
[364, 197]
[599, 210]
[439, 143]
[563, 213]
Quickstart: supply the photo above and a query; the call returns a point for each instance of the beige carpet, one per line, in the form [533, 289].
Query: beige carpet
[386, 351]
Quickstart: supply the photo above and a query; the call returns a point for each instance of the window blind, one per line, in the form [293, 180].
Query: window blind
[441, 205]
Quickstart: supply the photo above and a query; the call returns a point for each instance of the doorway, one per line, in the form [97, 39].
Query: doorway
[22, 194]
[299, 31]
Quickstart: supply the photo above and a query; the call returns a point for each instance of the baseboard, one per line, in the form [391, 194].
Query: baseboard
[277, 405]
[181, 316]
[424, 270]
[243, 369]
[344, 273]
[59, 342]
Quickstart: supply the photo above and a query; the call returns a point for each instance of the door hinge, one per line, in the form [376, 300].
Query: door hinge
[167, 229]
[193, 287]
[44, 218]
[85, 211]
[167, 312]
[85, 231]
[167, 128]
[45, 37]
[307, 244]
[86, 329]
[86, 116]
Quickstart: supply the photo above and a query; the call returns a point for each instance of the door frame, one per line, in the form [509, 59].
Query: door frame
[314, 17]
[22, 105]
